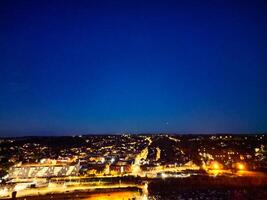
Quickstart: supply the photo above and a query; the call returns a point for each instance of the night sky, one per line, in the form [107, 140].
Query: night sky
[81, 67]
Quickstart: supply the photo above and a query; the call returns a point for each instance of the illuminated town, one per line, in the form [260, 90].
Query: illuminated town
[128, 166]
[133, 99]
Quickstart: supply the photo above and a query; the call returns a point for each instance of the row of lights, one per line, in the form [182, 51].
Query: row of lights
[217, 166]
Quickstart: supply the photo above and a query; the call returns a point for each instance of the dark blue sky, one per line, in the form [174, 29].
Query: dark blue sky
[70, 67]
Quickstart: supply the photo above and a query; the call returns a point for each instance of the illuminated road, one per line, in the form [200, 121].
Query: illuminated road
[115, 196]
[136, 170]
[124, 195]
[174, 139]
[63, 188]
[158, 153]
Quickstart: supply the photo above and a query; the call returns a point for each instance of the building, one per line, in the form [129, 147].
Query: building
[44, 170]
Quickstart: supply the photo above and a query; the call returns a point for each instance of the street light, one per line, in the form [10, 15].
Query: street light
[215, 165]
[240, 166]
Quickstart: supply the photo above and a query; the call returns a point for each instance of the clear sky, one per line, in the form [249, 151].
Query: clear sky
[71, 67]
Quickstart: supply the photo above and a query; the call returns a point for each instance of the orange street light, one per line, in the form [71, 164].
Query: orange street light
[240, 166]
[216, 166]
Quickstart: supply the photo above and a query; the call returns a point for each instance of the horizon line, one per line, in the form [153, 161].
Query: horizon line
[141, 133]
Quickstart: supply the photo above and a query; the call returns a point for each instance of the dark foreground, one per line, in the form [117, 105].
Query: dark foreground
[215, 188]
[215, 194]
